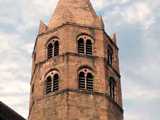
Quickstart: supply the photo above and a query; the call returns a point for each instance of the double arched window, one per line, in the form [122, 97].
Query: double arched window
[53, 48]
[85, 77]
[112, 84]
[52, 82]
[85, 45]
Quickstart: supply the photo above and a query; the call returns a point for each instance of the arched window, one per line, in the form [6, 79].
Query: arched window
[53, 48]
[55, 82]
[88, 47]
[85, 80]
[89, 82]
[112, 84]
[81, 81]
[48, 84]
[56, 48]
[52, 82]
[50, 50]
[81, 46]
[110, 56]
[85, 45]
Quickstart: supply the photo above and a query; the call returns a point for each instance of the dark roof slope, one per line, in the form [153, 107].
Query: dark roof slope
[6, 113]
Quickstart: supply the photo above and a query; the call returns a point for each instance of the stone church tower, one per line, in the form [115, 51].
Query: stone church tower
[75, 71]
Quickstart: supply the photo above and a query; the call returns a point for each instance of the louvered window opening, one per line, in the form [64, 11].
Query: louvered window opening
[85, 47]
[81, 81]
[81, 46]
[89, 82]
[55, 82]
[50, 51]
[56, 48]
[52, 83]
[88, 47]
[48, 85]
[86, 81]
[53, 49]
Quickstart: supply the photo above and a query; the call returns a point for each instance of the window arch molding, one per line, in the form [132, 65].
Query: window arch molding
[51, 81]
[52, 47]
[51, 70]
[86, 70]
[87, 67]
[85, 34]
[85, 44]
[51, 39]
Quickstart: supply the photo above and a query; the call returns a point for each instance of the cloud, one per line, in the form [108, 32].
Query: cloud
[14, 73]
[138, 12]
[19, 23]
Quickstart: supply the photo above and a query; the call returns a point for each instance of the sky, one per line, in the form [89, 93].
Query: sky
[137, 24]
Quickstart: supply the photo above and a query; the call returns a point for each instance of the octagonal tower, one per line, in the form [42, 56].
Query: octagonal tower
[75, 69]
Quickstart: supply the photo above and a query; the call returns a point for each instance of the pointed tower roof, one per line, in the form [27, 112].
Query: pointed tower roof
[75, 11]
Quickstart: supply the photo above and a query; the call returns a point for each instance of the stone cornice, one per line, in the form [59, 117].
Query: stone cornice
[77, 25]
[77, 55]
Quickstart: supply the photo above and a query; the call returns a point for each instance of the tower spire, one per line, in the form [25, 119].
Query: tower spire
[78, 12]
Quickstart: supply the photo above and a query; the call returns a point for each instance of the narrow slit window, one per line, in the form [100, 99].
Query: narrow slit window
[55, 82]
[110, 56]
[32, 89]
[88, 47]
[112, 88]
[56, 48]
[81, 81]
[90, 82]
[48, 85]
[50, 50]
[81, 46]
